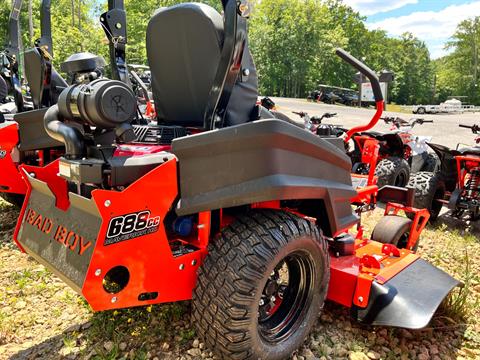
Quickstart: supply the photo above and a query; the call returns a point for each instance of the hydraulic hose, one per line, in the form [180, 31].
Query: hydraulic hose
[69, 135]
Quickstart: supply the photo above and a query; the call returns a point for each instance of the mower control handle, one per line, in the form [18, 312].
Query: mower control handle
[365, 70]
[377, 92]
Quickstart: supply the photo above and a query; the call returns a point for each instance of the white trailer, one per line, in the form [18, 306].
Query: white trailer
[450, 106]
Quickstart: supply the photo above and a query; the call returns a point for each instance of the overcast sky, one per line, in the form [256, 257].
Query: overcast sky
[433, 21]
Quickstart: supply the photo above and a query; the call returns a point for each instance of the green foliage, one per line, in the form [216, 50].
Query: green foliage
[458, 74]
[73, 27]
[294, 46]
[293, 43]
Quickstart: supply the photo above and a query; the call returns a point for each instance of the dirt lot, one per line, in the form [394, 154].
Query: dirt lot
[41, 318]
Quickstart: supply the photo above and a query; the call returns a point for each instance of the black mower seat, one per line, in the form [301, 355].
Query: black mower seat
[184, 46]
[35, 70]
[35, 73]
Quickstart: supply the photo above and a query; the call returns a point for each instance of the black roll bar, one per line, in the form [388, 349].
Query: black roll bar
[13, 47]
[45, 42]
[13, 53]
[114, 23]
[235, 19]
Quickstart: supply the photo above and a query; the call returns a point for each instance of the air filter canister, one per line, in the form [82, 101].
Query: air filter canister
[102, 103]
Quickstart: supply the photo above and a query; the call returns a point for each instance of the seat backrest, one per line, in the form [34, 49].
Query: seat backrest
[35, 68]
[184, 47]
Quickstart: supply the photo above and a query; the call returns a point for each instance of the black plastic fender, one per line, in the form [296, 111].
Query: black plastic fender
[448, 164]
[263, 161]
[393, 142]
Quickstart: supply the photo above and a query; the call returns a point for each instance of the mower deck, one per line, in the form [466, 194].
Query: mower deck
[379, 279]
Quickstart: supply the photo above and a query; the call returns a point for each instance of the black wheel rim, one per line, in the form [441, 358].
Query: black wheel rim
[286, 297]
[403, 241]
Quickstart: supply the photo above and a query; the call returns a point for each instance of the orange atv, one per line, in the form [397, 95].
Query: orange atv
[243, 213]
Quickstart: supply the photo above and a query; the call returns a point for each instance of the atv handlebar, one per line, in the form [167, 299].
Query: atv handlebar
[318, 120]
[365, 70]
[399, 122]
[314, 119]
[475, 128]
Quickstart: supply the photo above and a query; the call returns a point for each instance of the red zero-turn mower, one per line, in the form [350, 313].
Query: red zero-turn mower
[23, 139]
[19, 135]
[249, 218]
[456, 184]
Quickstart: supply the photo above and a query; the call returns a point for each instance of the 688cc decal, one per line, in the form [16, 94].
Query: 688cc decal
[130, 226]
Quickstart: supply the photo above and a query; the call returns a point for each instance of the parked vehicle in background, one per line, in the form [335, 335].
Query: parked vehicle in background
[449, 106]
[349, 98]
[332, 95]
[456, 184]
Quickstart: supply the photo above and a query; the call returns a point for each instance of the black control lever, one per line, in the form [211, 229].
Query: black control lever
[365, 70]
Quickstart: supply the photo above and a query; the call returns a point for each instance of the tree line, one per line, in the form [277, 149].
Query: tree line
[293, 43]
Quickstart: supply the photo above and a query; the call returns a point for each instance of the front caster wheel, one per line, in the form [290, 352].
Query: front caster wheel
[395, 230]
[262, 286]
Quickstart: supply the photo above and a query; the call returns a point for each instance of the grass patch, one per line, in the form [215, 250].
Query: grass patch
[61, 319]
[398, 108]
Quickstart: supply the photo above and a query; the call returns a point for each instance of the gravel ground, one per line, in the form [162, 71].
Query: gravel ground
[41, 318]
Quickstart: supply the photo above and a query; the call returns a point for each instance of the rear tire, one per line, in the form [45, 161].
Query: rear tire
[432, 163]
[229, 308]
[428, 187]
[395, 230]
[392, 171]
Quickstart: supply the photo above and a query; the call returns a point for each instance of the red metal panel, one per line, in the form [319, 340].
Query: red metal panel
[343, 279]
[148, 258]
[10, 178]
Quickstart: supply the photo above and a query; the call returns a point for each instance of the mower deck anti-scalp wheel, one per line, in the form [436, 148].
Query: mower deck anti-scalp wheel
[392, 171]
[395, 230]
[262, 286]
[429, 189]
[14, 199]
